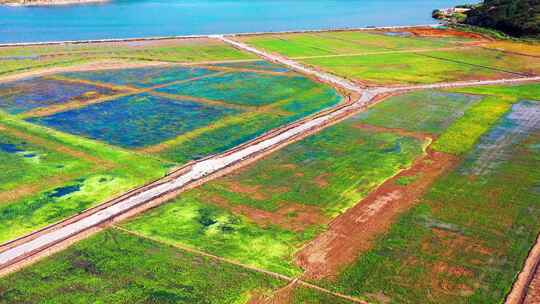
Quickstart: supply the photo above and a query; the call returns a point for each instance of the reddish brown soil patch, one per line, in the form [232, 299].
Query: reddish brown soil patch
[249, 190]
[353, 232]
[295, 217]
[445, 274]
[434, 32]
[280, 296]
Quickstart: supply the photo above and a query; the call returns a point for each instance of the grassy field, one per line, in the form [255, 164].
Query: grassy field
[334, 43]
[262, 214]
[466, 240]
[20, 59]
[462, 135]
[394, 58]
[531, 49]
[423, 111]
[115, 267]
[48, 175]
[401, 68]
[54, 172]
[495, 59]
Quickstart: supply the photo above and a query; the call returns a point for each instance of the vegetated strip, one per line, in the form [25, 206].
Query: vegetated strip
[93, 83]
[247, 70]
[235, 263]
[211, 102]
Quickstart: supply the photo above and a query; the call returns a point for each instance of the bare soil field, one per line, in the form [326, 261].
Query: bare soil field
[352, 233]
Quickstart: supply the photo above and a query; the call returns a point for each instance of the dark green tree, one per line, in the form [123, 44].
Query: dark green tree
[514, 17]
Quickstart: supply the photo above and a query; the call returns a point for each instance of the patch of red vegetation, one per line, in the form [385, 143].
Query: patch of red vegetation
[353, 232]
[440, 32]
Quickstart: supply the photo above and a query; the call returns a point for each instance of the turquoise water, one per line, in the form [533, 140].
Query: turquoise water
[138, 18]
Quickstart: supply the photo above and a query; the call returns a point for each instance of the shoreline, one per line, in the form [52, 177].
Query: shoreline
[51, 3]
[151, 38]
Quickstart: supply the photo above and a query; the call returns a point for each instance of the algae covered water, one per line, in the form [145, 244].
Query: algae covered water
[141, 18]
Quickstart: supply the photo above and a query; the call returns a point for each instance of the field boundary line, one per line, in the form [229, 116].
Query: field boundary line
[202, 100]
[445, 59]
[77, 104]
[247, 70]
[239, 264]
[106, 85]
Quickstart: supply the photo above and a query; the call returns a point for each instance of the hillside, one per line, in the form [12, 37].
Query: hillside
[514, 17]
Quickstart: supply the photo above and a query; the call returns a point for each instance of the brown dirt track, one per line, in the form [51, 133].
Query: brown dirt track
[353, 232]
[533, 291]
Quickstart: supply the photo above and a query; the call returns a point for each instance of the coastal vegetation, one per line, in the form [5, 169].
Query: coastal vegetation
[515, 17]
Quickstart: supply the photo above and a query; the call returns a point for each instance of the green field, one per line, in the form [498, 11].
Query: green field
[462, 135]
[462, 243]
[334, 43]
[262, 214]
[468, 236]
[423, 111]
[78, 157]
[116, 267]
[401, 68]
[65, 175]
[21, 59]
[375, 58]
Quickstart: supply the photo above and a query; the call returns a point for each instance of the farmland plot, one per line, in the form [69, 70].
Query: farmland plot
[261, 215]
[35, 58]
[47, 176]
[135, 121]
[405, 57]
[183, 113]
[116, 267]
[21, 96]
[468, 237]
[69, 117]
